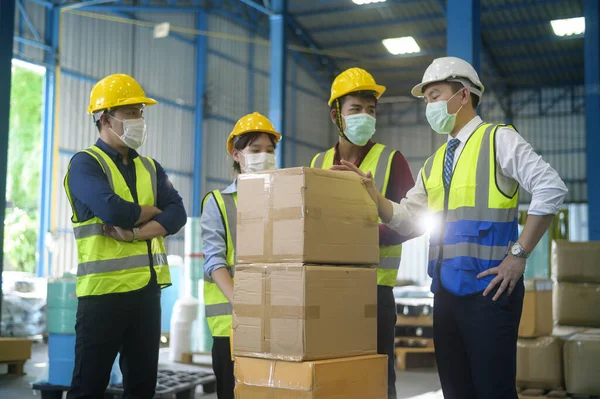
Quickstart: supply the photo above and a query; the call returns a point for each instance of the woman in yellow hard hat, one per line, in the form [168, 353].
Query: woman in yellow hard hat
[252, 145]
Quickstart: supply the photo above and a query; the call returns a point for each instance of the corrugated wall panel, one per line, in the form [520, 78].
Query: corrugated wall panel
[553, 121]
[96, 48]
[37, 15]
[164, 67]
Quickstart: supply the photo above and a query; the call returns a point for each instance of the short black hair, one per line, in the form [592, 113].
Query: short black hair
[364, 94]
[98, 123]
[456, 86]
[247, 139]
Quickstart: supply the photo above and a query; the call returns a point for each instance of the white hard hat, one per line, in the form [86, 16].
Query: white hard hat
[450, 69]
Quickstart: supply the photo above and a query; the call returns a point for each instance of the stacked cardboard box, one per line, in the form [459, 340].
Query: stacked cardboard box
[539, 355]
[576, 300]
[305, 291]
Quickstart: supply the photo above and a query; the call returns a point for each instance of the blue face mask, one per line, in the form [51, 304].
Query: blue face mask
[359, 128]
[438, 117]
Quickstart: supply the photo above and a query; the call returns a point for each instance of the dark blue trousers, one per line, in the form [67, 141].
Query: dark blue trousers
[476, 344]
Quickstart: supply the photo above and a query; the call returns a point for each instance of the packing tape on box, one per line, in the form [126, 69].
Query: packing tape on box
[300, 212]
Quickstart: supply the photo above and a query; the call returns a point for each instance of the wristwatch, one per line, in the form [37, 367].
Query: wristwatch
[518, 251]
[136, 233]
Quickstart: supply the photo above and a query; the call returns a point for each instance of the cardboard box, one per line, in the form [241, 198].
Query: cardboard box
[576, 262]
[349, 378]
[577, 304]
[565, 332]
[540, 363]
[306, 215]
[295, 312]
[582, 362]
[14, 349]
[536, 319]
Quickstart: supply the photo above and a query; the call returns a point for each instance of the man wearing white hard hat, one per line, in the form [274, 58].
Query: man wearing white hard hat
[469, 187]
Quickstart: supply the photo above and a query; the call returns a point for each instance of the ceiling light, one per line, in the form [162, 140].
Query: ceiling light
[568, 27]
[363, 2]
[401, 45]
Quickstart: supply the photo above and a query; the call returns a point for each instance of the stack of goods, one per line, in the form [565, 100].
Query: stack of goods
[576, 301]
[23, 304]
[539, 355]
[305, 290]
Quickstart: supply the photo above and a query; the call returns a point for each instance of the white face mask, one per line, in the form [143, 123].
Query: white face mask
[134, 132]
[438, 117]
[359, 128]
[254, 163]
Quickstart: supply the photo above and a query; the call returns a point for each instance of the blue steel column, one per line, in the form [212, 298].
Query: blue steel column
[201, 50]
[7, 26]
[592, 113]
[48, 121]
[463, 33]
[277, 35]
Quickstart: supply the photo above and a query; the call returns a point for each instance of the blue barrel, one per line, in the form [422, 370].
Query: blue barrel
[170, 295]
[61, 353]
[62, 305]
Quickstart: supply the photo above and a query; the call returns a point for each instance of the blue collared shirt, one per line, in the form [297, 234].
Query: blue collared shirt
[92, 195]
[213, 233]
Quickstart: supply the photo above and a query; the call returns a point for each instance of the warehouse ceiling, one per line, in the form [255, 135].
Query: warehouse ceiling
[519, 47]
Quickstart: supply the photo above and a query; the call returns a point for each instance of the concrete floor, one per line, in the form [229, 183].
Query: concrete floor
[410, 384]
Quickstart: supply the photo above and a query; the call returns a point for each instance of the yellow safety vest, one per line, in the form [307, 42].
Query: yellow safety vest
[379, 162]
[108, 266]
[479, 220]
[216, 306]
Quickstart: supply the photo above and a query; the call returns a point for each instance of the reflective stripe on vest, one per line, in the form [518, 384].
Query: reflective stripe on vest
[378, 161]
[105, 265]
[217, 308]
[479, 220]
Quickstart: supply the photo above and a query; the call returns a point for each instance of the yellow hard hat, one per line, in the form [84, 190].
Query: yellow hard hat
[252, 123]
[116, 91]
[351, 80]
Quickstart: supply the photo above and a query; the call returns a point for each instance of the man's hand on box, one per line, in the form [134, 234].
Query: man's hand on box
[367, 178]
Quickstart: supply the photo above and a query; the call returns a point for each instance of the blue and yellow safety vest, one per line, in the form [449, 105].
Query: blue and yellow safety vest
[479, 220]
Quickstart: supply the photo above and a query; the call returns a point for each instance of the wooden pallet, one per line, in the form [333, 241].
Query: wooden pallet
[413, 342]
[411, 358]
[420, 321]
[15, 367]
[191, 358]
[549, 394]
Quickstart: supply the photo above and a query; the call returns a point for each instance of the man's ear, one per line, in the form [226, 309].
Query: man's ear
[333, 115]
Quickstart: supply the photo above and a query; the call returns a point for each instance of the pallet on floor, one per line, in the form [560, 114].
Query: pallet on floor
[15, 367]
[412, 358]
[549, 394]
[181, 384]
[197, 358]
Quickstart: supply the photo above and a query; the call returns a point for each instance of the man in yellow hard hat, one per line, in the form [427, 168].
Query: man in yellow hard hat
[470, 188]
[123, 205]
[353, 109]
[251, 144]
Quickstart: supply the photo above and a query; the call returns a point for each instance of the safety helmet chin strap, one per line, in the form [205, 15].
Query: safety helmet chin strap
[338, 119]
